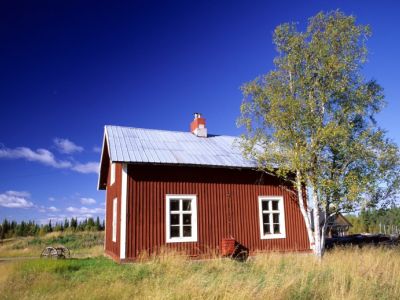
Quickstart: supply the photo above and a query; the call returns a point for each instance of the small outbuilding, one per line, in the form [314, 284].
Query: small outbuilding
[189, 191]
[337, 225]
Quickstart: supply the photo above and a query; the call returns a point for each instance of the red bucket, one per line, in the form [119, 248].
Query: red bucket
[228, 246]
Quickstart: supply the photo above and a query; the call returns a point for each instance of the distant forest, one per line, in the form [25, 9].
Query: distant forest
[10, 229]
[367, 221]
[374, 220]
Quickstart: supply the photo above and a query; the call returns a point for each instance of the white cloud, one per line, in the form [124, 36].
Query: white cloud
[15, 199]
[53, 209]
[97, 149]
[88, 201]
[52, 199]
[61, 218]
[44, 209]
[40, 155]
[90, 167]
[66, 146]
[85, 212]
[47, 158]
[54, 219]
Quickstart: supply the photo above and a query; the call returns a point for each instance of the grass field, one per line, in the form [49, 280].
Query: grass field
[81, 244]
[368, 273]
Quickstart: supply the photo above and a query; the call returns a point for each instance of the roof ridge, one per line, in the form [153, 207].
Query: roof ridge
[165, 130]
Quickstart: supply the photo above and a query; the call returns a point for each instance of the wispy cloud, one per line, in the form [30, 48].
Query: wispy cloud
[40, 155]
[86, 168]
[88, 201]
[44, 209]
[61, 218]
[53, 209]
[96, 149]
[54, 219]
[15, 199]
[66, 146]
[85, 211]
[47, 158]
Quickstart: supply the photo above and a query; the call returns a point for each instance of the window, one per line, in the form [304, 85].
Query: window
[272, 217]
[114, 221]
[112, 175]
[181, 218]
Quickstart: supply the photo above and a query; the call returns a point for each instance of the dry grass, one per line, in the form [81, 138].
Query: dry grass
[369, 273]
[81, 244]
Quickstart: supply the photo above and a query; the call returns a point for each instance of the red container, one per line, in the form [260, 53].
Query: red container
[228, 246]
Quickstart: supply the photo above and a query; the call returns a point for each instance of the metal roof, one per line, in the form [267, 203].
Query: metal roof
[138, 145]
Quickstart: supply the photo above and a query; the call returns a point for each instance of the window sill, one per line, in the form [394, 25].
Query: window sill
[273, 236]
[181, 240]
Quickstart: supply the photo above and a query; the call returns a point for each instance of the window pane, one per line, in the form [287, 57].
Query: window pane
[187, 219]
[187, 230]
[275, 218]
[174, 219]
[276, 228]
[186, 204]
[174, 205]
[275, 205]
[265, 218]
[265, 205]
[174, 231]
[266, 229]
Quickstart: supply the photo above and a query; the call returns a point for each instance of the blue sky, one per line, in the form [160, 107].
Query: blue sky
[67, 68]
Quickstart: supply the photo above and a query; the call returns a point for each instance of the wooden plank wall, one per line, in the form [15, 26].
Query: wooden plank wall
[113, 191]
[227, 206]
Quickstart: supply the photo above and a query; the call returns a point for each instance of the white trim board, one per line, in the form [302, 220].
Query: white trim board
[101, 157]
[114, 220]
[181, 239]
[282, 223]
[105, 222]
[124, 195]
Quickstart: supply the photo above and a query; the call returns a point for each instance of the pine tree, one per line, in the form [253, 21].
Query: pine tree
[98, 225]
[66, 223]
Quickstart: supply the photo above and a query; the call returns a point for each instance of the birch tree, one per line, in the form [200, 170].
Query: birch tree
[311, 120]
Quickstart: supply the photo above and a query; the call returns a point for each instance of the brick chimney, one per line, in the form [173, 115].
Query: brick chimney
[198, 126]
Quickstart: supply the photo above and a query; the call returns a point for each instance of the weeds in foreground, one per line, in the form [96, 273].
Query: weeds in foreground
[368, 273]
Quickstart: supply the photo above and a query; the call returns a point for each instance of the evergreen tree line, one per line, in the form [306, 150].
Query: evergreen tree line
[10, 229]
[373, 220]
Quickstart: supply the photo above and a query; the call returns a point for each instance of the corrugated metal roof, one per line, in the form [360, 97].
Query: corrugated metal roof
[138, 145]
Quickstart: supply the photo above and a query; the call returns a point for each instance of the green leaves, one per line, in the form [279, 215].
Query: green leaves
[315, 114]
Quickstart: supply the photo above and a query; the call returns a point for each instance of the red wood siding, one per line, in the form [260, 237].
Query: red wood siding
[227, 206]
[113, 191]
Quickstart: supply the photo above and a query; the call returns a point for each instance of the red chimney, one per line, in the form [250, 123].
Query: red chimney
[198, 126]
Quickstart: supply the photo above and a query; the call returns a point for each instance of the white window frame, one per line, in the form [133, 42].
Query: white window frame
[112, 175]
[114, 220]
[192, 238]
[281, 209]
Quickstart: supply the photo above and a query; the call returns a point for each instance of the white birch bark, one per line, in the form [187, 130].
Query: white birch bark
[318, 251]
[304, 212]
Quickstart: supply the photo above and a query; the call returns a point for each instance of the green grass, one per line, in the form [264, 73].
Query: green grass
[370, 273]
[80, 244]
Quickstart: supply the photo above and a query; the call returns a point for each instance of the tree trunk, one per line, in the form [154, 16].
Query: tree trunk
[304, 212]
[319, 239]
[323, 236]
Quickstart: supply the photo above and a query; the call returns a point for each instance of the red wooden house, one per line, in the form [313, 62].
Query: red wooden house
[189, 191]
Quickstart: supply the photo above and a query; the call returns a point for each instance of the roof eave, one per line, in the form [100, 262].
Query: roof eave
[105, 139]
[186, 165]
